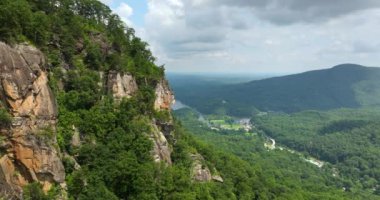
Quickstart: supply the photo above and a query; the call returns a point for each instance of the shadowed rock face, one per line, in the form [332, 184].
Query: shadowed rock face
[162, 132]
[30, 155]
[161, 148]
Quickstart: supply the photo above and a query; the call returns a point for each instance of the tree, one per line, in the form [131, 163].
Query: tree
[15, 18]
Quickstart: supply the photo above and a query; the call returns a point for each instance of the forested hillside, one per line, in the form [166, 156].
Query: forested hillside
[289, 170]
[347, 85]
[347, 138]
[85, 114]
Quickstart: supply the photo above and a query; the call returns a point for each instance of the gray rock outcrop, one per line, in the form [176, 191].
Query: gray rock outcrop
[200, 172]
[121, 85]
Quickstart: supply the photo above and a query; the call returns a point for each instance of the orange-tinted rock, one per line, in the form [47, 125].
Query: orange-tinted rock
[164, 96]
[25, 92]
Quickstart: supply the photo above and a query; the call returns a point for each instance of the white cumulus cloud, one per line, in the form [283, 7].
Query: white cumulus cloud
[248, 36]
[125, 12]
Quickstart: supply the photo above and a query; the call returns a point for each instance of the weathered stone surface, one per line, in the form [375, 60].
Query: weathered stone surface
[161, 147]
[164, 96]
[100, 40]
[7, 176]
[24, 90]
[200, 172]
[121, 85]
[73, 161]
[124, 86]
[217, 178]
[39, 158]
[163, 135]
[75, 139]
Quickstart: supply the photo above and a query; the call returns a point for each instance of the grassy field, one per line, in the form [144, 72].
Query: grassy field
[225, 122]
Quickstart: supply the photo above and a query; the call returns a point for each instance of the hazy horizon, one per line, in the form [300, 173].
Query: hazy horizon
[250, 73]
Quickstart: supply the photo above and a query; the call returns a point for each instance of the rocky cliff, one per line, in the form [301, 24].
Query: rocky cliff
[30, 142]
[125, 86]
[29, 151]
[200, 172]
[164, 96]
[121, 85]
[162, 130]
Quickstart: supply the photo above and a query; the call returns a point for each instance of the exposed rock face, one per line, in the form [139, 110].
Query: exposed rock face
[75, 139]
[163, 133]
[100, 40]
[217, 178]
[201, 172]
[30, 155]
[161, 147]
[164, 96]
[121, 85]
[124, 86]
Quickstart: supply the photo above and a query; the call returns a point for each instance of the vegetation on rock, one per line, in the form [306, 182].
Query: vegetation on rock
[83, 41]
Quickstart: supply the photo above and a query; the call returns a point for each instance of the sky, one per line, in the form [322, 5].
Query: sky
[255, 36]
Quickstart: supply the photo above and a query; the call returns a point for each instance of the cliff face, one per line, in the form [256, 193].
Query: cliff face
[164, 96]
[162, 131]
[125, 86]
[30, 155]
[161, 148]
[121, 85]
[29, 144]
[200, 172]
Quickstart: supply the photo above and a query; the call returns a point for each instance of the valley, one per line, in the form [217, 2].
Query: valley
[243, 126]
[342, 143]
[342, 86]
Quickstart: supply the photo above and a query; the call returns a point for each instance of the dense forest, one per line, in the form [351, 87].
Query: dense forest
[346, 138]
[287, 169]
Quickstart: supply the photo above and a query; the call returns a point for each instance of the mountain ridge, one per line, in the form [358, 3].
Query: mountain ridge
[344, 85]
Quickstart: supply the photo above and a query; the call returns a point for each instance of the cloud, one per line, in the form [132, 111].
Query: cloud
[125, 12]
[294, 11]
[262, 35]
[365, 47]
[107, 2]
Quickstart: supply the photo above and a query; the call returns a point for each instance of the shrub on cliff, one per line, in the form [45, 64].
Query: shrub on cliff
[5, 118]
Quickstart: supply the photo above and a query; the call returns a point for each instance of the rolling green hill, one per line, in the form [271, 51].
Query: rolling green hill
[346, 85]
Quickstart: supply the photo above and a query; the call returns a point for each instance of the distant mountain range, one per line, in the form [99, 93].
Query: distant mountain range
[346, 85]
